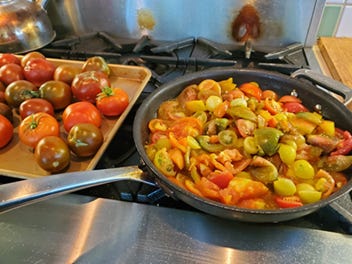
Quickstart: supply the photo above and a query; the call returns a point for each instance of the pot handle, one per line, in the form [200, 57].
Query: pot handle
[17, 194]
[326, 82]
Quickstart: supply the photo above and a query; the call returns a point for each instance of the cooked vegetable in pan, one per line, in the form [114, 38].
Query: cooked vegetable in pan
[248, 147]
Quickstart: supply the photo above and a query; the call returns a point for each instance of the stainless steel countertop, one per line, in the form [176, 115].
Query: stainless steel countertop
[80, 229]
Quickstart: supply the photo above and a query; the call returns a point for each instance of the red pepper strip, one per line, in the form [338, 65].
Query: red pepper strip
[288, 201]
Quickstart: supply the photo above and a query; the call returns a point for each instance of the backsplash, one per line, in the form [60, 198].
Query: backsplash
[337, 19]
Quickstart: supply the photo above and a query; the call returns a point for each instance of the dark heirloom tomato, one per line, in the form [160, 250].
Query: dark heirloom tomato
[19, 91]
[6, 58]
[96, 63]
[86, 85]
[6, 111]
[36, 126]
[6, 131]
[80, 112]
[112, 101]
[85, 139]
[52, 154]
[35, 105]
[66, 73]
[2, 92]
[31, 55]
[58, 93]
[11, 72]
[39, 71]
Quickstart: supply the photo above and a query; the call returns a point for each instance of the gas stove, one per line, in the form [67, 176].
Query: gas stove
[169, 60]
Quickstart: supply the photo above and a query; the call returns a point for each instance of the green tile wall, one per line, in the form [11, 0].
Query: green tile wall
[329, 20]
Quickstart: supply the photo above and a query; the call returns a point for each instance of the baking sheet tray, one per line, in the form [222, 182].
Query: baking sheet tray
[17, 160]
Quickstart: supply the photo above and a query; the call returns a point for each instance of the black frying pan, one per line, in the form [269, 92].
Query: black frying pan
[17, 194]
[331, 108]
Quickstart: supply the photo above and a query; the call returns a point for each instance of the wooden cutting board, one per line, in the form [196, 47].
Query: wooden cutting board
[337, 54]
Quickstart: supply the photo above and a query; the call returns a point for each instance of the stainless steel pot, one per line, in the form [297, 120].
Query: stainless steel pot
[24, 26]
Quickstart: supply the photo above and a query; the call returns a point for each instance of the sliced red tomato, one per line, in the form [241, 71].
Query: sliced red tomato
[251, 90]
[186, 126]
[289, 99]
[274, 107]
[220, 178]
[288, 201]
[294, 107]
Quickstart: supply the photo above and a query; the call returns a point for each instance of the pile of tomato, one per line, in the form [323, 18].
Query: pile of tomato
[47, 96]
[244, 146]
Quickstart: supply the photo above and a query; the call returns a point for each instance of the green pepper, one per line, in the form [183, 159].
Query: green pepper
[204, 143]
[313, 117]
[242, 112]
[268, 139]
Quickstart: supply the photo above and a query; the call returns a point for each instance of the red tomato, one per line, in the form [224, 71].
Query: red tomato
[81, 112]
[11, 72]
[220, 178]
[294, 107]
[37, 126]
[39, 71]
[288, 201]
[6, 131]
[35, 105]
[31, 55]
[251, 90]
[87, 85]
[112, 101]
[6, 58]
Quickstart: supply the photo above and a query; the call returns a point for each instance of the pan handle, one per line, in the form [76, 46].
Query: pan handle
[326, 82]
[21, 193]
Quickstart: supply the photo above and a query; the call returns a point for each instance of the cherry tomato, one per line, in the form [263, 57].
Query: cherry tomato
[6, 58]
[251, 90]
[87, 85]
[80, 112]
[288, 201]
[11, 72]
[58, 93]
[289, 99]
[52, 154]
[272, 106]
[31, 55]
[112, 101]
[19, 91]
[85, 139]
[6, 131]
[96, 63]
[269, 94]
[35, 105]
[294, 107]
[66, 73]
[39, 71]
[36, 126]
